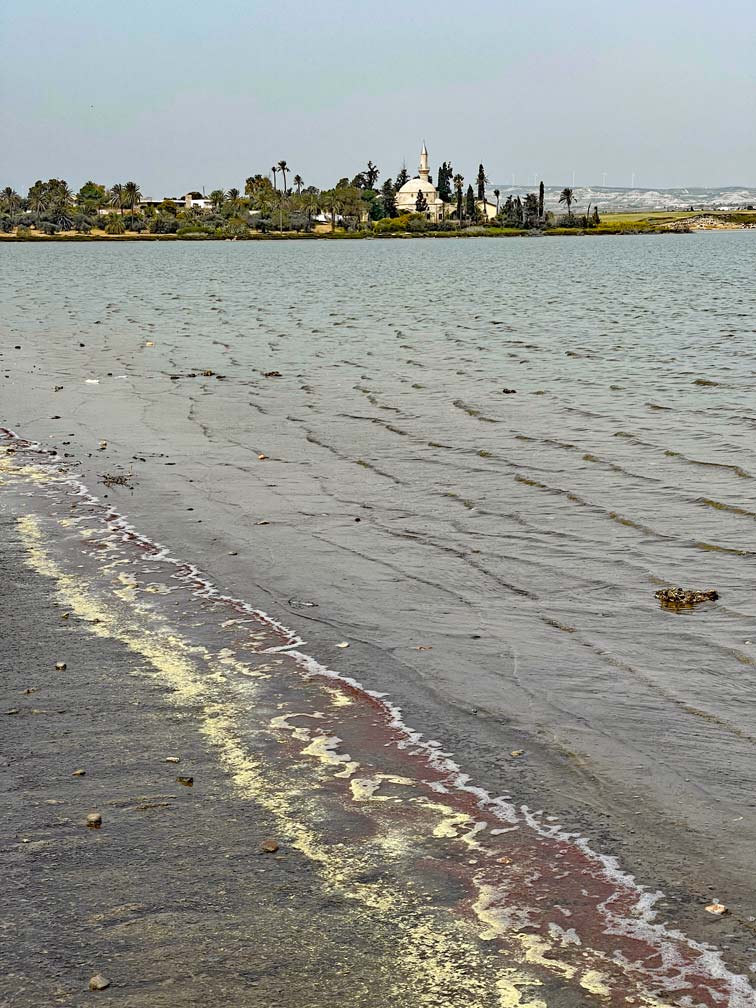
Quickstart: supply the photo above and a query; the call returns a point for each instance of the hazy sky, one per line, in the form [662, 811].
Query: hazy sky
[181, 95]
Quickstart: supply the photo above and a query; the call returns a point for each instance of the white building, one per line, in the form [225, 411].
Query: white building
[195, 200]
[436, 210]
[406, 197]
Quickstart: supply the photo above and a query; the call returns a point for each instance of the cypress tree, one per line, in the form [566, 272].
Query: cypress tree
[402, 177]
[540, 201]
[444, 182]
[470, 209]
[481, 182]
[421, 203]
[458, 180]
[388, 195]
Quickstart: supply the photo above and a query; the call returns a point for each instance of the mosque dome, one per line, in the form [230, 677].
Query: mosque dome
[413, 186]
[408, 195]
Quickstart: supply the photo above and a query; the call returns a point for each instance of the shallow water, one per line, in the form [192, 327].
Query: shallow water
[519, 537]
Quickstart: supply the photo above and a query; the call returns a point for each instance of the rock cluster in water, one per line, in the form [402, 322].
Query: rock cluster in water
[681, 598]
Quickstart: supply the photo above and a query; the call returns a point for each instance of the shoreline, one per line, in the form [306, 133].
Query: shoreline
[368, 236]
[653, 222]
[73, 542]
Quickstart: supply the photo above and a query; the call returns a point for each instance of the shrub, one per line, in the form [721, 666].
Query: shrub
[114, 225]
[235, 228]
[164, 223]
[397, 225]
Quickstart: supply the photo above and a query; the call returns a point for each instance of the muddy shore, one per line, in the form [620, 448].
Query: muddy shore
[173, 899]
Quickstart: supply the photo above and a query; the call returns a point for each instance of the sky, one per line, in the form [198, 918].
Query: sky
[180, 96]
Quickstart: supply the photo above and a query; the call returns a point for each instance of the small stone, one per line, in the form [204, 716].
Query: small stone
[172, 759]
[99, 982]
[517, 752]
[79, 773]
[186, 781]
[60, 666]
[13, 710]
[269, 847]
[343, 644]
[94, 820]
[262, 457]
[718, 909]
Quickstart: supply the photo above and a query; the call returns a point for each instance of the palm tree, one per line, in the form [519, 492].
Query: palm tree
[497, 194]
[60, 202]
[38, 200]
[567, 195]
[458, 180]
[298, 182]
[131, 195]
[114, 225]
[283, 168]
[280, 204]
[10, 199]
[233, 198]
[332, 200]
[274, 170]
[117, 196]
[217, 198]
[310, 205]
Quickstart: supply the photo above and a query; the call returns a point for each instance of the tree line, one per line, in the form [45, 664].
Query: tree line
[278, 201]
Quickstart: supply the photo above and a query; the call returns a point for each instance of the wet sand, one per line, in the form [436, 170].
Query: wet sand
[172, 898]
[192, 444]
[482, 903]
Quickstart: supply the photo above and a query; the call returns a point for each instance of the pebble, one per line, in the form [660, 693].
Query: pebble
[172, 759]
[186, 781]
[99, 982]
[269, 847]
[60, 666]
[79, 773]
[94, 820]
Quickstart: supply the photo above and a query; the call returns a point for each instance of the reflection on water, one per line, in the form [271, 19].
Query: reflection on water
[541, 521]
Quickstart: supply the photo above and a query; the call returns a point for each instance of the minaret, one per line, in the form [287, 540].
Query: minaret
[424, 170]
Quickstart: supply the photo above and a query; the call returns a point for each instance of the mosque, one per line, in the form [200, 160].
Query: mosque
[406, 197]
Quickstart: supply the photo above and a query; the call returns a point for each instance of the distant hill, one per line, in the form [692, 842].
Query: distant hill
[608, 199]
